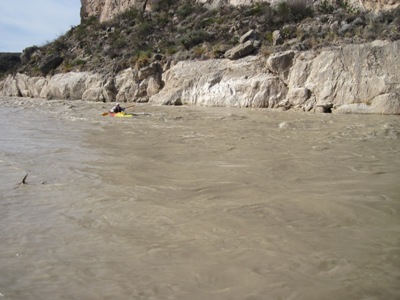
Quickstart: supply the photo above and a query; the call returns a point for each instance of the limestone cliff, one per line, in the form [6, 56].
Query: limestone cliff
[333, 62]
[350, 79]
[107, 9]
[355, 78]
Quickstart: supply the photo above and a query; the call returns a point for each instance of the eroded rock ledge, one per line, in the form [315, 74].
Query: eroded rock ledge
[350, 79]
[107, 9]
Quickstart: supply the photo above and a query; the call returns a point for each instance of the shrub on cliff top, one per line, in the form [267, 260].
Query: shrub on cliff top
[186, 29]
[293, 10]
[8, 62]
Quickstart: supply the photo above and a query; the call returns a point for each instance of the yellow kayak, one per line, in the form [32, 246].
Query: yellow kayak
[121, 115]
[118, 115]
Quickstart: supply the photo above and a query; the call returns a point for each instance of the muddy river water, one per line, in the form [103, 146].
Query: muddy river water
[197, 203]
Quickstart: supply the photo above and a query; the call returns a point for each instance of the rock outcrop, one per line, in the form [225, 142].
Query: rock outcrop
[107, 9]
[241, 83]
[354, 74]
[350, 79]
[354, 78]
[71, 86]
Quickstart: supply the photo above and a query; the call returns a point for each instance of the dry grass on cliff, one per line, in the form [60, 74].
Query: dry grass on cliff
[187, 30]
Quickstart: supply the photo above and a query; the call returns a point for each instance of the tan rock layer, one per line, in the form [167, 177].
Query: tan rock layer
[351, 79]
[107, 9]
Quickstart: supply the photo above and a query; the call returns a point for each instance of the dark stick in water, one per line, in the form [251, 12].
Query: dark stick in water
[24, 179]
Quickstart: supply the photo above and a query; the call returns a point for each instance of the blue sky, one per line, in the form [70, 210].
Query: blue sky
[25, 23]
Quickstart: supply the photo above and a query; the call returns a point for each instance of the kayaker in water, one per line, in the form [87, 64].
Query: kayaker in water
[117, 108]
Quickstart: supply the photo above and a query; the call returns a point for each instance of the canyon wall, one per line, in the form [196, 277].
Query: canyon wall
[107, 9]
[354, 78]
[350, 79]
[360, 78]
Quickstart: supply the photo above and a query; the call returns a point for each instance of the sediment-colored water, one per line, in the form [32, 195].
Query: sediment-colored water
[197, 203]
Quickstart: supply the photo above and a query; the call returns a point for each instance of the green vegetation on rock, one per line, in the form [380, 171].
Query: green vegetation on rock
[9, 62]
[187, 30]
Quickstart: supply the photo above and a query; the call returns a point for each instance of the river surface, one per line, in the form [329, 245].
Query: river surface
[197, 203]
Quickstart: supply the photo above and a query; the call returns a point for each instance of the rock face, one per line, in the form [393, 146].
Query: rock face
[242, 83]
[351, 79]
[355, 78]
[354, 74]
[107, 9]
[71, 86]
